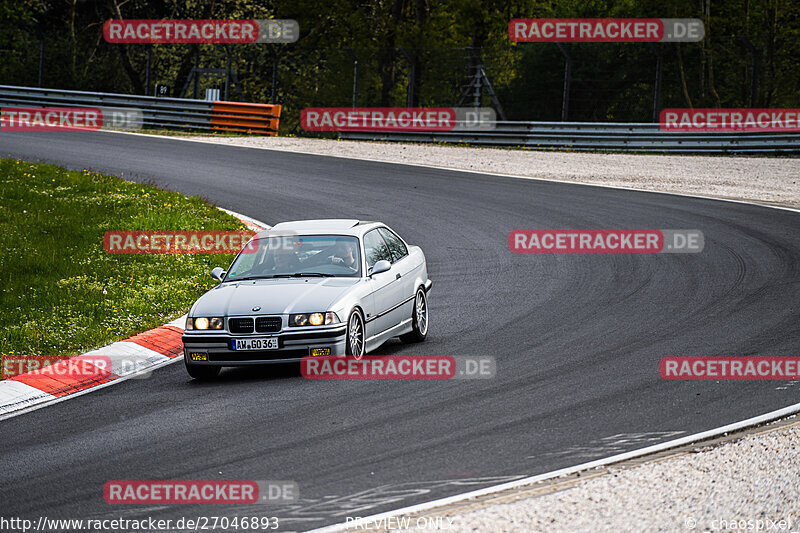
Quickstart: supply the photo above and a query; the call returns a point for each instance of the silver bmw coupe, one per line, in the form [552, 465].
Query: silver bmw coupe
[309, 288]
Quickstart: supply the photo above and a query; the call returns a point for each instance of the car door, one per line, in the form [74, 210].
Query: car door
[386, 289]
[402, 266]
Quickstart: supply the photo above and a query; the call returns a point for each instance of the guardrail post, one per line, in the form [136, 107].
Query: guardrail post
[567, 80]
[659, 74]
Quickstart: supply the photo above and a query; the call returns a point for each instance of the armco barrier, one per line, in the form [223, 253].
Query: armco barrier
[593, 136]
[158, 113]
[235, 116]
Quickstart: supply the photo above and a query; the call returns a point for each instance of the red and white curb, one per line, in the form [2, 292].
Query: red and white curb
[130, 358]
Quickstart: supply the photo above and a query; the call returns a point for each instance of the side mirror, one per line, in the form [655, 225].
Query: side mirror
[381, 266]
[218, 273]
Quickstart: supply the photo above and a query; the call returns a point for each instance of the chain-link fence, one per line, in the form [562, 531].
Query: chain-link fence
[606, 82]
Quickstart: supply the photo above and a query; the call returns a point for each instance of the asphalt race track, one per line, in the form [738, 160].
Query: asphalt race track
[577, 338]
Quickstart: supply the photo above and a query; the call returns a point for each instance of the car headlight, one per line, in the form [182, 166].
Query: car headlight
[313, 319]
[202, 322]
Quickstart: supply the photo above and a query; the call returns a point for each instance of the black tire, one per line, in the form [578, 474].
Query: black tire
[419, 319]
[202, 372]
[356, 344]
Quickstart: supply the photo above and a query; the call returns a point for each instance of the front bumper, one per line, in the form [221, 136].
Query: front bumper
[215, 349]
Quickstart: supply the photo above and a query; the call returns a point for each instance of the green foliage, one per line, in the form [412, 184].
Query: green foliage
[444, 38]
[62, 293]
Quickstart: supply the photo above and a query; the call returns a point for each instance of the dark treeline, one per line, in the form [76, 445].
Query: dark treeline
[444, 40]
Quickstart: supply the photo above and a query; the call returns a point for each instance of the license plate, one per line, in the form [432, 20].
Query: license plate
[263, 343]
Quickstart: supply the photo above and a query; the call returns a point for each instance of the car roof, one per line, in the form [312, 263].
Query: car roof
[330, 224]
[337, 226]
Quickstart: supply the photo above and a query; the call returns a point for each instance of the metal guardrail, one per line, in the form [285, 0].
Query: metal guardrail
[157, 112]
[236, 116]
[593, 136]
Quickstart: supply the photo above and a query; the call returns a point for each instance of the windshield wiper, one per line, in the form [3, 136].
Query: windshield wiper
[309, 274]
[246, 278]
[295, 275]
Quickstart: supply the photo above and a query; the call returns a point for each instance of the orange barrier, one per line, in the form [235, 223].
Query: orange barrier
[246, 118]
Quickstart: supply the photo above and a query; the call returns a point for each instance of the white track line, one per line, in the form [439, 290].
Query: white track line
[703, 435]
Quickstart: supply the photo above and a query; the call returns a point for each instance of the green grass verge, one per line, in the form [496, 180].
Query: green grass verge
[61, 292]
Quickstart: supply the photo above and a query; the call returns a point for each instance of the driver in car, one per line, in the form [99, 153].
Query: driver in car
[344, 254]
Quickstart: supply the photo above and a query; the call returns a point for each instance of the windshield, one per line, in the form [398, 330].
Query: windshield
[306, 255]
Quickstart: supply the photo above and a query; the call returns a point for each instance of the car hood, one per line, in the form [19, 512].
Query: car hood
[273, 296]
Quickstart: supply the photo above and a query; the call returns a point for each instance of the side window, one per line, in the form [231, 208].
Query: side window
[375, 248]
[396, 246]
